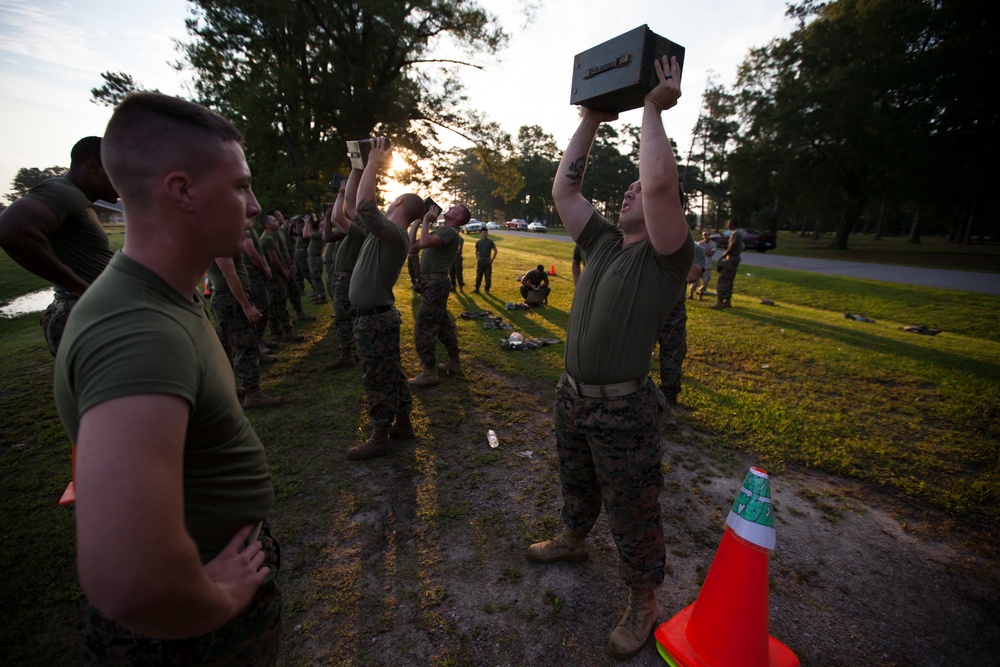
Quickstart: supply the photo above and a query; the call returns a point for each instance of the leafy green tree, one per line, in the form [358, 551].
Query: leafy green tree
[538, 160]
[28, 177]
[713, 141]
[116, 86]
[856, 100]
[302, 77]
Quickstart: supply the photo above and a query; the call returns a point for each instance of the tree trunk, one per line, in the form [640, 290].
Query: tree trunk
[968, 225]
[915, 229]
[852, 211]
[881, 217]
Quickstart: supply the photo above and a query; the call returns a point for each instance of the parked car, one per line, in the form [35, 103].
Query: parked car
[492, 225]
[752, 240]
[517, 224]
[537, 227]
[473, 226]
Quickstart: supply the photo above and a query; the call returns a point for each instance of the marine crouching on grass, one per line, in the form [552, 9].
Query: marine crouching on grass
[608, 409]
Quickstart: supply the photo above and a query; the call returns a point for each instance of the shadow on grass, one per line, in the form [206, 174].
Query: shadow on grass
[875, 341]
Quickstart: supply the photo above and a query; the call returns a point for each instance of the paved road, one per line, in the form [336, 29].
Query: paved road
[966, 281]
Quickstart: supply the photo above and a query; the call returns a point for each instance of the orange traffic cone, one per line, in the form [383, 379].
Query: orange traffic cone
[727, 624]
[552, 270]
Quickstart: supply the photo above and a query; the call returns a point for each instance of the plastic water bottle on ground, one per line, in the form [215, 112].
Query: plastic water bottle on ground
[492, 437]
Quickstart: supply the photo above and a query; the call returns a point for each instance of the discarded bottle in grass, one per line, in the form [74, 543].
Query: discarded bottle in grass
[492, 437]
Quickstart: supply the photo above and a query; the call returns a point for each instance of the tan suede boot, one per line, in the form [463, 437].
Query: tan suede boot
[428, 378]
[633, 629]
[376, 445]
[453, 366]
[255, 398]
[718, 305]
[401, 428]
[346, 359]
[570, 545]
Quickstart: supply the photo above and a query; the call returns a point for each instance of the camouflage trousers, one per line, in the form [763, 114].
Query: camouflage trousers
[705, 279]
[727, 273]
[301, 259]
[386, 388]
[277, 294]
[54, 321]
[673, 349]
[258, 297]
[610, 450]
[294, 293]
[331, 279]
[239, 339]
[249, 639]
[455, 273]
[413, 267]
[343, 315]
[316, 274]
[484, 270]
[433, 323]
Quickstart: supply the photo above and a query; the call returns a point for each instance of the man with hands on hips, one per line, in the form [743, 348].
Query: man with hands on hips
[172, 483]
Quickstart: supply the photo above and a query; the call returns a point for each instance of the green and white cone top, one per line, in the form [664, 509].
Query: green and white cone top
[752, 515]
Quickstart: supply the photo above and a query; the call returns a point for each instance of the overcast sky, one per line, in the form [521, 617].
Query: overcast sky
[52, 53]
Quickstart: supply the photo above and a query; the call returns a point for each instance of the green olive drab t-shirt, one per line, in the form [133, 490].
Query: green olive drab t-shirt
[132, 334]
[315, 247]
[484, 248]
[247, 261]
[620, 304]
[80, 241]
[379, 264]
[269, 244]
[438, 259]
[350, 246]
[735, 248]
[219, 284]
[282, 241]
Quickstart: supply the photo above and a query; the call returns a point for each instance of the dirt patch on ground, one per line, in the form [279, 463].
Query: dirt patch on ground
[419, 558]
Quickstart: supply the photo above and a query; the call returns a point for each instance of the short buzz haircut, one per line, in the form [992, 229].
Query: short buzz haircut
[152, 134]
[466, 215]
[85, 150]
[412, 205]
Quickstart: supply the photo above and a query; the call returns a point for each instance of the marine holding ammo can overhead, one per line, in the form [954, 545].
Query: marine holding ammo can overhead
[616, 75]
[358, 151]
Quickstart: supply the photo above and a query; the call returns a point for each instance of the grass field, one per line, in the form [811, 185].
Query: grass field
[796, 383]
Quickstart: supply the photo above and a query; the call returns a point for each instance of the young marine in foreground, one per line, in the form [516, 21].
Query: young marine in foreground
[173, 488]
